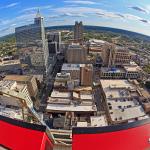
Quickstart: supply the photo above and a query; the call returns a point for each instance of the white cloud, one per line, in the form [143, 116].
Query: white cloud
[22, 19]
[106, 14]
[54, 17]
[86, 10]
[74, 15]
[114, 15]
[80, 2]
[140, 9]
[33, 9]
[132, 17]
[10, 5]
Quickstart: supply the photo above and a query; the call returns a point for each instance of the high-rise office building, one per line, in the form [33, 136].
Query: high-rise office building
[54, 42]
[31, 41]
[78, 31]
[76, 54]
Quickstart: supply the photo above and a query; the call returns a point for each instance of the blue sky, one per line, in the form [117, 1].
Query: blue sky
[133, 15]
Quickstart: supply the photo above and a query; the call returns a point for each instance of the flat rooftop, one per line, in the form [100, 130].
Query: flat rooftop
[5, 100]
[98, 121]
[79, 89]
[122, 100]
[68, 67]
[117, 88]
[11, 113]
[70, 108]
[10, 62]
[74, 46]
[19, 78]
[112, 70]
[131, 68]
[127, 114]
[6, 84]
[96, 41]
[82, 96]
[122, 104]
[62, 76]
[58, 94]
[59, 101]
[121, 49]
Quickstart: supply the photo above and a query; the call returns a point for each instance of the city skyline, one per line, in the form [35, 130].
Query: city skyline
[132, 16]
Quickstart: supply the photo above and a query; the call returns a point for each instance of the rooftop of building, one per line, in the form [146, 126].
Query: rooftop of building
[122, 98]
[11, 85]
[18, 78]
[69, 67]
[117, 88]
[83, 96]
[62, 76]
[11, 113]
[112, 70]
[53, 32]
[59, 94]
[127, 114]
[121, 49]
[98, 121]
[74, 46]
[9, 62]
[10, 107]
[86, 89]
[71, 108]
[96, 41]
[54, 100]
[132, 68]
[5, 100]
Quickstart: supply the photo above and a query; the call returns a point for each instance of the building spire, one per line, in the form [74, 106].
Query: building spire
[38, 15]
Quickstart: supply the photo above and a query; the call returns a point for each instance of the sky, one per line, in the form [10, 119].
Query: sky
[132, 15]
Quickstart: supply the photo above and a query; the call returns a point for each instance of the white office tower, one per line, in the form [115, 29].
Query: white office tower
[32, 43]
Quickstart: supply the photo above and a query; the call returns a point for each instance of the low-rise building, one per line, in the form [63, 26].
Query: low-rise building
[131, 71]
[29, 81]
[121, 98]
[80, 72]
[10, 66]
[73, 69]
[112, 73]
[7, 86]
[11, 107]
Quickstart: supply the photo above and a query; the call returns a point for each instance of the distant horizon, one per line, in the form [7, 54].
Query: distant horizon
[89, 26]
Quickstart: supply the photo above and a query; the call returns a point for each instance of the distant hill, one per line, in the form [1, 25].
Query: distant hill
[7, 37]
[105, 29]
[95, 28]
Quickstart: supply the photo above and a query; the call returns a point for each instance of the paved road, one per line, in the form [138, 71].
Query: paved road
[50, 82]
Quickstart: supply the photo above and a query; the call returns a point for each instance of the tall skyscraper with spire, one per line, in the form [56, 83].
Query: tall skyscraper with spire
[32, 43]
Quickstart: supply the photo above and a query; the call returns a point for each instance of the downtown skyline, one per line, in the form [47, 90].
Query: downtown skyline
[122, 14]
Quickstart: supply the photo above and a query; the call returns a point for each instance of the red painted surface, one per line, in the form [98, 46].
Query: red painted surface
[130, 139]
[18, 138]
